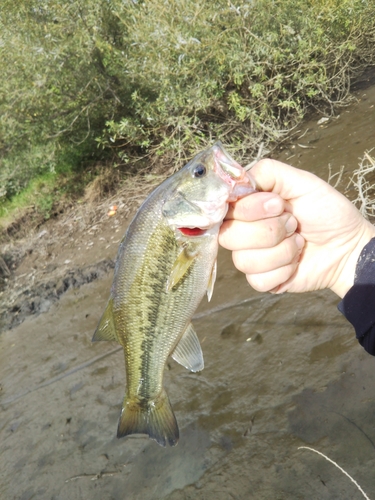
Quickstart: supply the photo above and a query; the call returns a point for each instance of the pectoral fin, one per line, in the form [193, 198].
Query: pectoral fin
[188, 351]
[106, 328]
[181, 266]
[211, 283]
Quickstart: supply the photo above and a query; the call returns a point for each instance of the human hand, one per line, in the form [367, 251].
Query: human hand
[297, 234]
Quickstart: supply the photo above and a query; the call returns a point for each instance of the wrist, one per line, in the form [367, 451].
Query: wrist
[349, 265]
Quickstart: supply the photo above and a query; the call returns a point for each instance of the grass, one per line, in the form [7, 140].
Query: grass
[38, 198]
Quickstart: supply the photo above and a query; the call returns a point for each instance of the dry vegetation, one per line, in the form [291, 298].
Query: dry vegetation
[363, 180]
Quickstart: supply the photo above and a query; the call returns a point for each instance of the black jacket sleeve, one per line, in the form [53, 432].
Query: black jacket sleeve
[358, 305]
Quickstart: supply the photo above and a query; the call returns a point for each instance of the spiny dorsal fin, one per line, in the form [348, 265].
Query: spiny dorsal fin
[211, 283]
[180, 267]
[106, 328]
[188, 351]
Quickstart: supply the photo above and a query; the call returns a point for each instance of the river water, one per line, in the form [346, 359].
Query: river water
[281, 373]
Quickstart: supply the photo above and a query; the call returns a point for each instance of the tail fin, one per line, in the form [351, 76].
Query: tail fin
[156, 419]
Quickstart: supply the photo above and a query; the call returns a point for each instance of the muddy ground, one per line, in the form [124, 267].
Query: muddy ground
[280, 373]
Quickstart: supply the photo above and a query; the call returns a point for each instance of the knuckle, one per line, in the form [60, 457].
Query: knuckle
[264, 163]
[241, 261]
[289, 251]
[258, 282]
[275, 231]
[225, 236]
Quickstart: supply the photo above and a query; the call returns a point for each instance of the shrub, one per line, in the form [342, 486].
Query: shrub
[131, 79]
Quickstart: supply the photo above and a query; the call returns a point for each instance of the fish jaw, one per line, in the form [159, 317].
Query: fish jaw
[231, 172]
[212, 215]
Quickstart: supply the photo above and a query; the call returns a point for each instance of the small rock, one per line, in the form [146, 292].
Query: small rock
[44, 305]
[325, 119]
[42, 233]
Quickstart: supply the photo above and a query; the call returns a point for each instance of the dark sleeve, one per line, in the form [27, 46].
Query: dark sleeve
[358, 305]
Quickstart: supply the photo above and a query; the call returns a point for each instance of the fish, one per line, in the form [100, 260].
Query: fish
[165, 265]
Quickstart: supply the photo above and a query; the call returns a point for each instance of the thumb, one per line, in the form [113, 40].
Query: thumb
[288, 182]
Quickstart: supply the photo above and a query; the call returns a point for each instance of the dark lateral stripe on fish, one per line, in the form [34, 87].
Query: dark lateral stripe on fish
[156, 287]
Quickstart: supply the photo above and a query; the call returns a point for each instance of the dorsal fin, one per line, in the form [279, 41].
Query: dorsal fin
[188, 351]
[106, 328]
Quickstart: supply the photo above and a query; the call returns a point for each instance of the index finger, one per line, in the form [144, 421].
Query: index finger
[256, 206]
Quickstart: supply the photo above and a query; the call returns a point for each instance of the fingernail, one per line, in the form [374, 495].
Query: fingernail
[300, 241]
[273, 206]
[290, 226]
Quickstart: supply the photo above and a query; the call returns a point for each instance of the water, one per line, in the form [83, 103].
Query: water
[281, 372]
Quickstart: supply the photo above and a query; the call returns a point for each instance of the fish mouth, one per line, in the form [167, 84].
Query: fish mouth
[232, 173]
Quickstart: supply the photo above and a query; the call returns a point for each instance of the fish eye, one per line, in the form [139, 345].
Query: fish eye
[199, 170]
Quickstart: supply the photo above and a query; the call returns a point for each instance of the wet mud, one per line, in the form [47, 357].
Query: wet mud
[38, 299]
[282, 373]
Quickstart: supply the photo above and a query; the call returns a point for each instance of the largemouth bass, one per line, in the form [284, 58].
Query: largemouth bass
[165, 264]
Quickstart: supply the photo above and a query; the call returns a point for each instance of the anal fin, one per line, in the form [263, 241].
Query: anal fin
[188, 351]
[211, 283]
[106, 328]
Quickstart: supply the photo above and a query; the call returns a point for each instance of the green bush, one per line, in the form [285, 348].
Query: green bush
[131, 79]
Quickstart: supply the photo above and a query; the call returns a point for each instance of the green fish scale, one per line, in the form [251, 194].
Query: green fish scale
[149, 319]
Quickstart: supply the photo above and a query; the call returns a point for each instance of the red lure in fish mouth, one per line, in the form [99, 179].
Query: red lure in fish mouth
[192, 231]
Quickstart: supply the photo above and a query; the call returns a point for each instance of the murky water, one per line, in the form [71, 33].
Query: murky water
[281, 372]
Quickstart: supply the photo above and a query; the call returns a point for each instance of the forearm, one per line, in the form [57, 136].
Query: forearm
[351, 251]
[358, 305]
